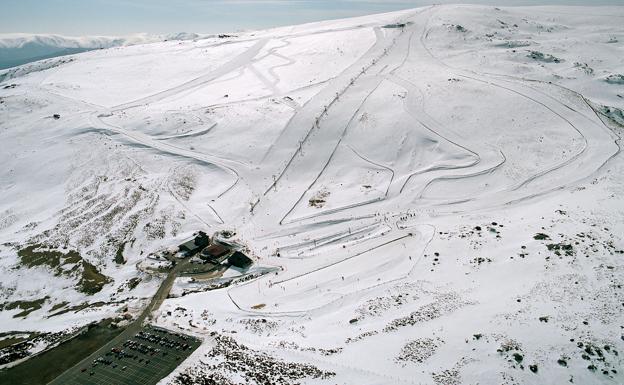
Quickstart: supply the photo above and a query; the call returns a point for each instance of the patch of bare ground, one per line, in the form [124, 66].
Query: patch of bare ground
[183, 182]
[450, 376]
[259, 325]
[232, 363]
[294, 346]
[443, 304]
[418, 350]
[70, 263]
[19, 345]
[319, 199]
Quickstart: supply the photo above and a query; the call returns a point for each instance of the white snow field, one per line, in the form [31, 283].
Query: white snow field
[432, 196]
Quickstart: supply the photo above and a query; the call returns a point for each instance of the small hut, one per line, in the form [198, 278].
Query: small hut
[240, 260]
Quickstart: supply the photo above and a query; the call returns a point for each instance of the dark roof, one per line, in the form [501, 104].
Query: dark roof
[202, 239]
[196, 244]
[239, 259]
[189, 246]
[215, 251]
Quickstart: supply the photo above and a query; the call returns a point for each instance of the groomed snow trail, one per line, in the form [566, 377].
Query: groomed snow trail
[371, 167]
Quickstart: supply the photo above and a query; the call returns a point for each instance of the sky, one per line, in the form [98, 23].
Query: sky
[123, 17]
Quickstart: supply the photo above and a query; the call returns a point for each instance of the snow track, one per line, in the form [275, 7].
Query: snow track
[487, 159]
[338, 153]
[596, 147]
[480, 160]
[237, 62]
[147, 141]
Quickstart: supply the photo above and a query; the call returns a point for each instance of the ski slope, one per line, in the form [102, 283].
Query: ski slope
[390, 173]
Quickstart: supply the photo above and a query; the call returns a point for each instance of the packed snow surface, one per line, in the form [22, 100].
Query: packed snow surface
[432, 196]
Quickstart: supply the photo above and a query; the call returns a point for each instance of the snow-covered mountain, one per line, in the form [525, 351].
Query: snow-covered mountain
[18, 48]
[431, 196]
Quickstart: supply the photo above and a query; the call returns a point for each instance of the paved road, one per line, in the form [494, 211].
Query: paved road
[133, 328]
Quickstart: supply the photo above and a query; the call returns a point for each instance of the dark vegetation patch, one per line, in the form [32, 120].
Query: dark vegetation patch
[38, 255]
[584, 67]
[512, 352]
[44, 367]
[119, 257]
[477, 235]
[479, 260]
[602, 358]
[541, 237]
[27, 307]
[92, 281]
[133, 283]
[397, 25]
[559, 248]
[58, 306]
[17, 345]
[83, 306]
[615, 79]
[613, 115]
[544, 58]
[68, 263]
[12, 338]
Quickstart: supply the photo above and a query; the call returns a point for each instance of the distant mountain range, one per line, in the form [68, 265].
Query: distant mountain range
[18, 49]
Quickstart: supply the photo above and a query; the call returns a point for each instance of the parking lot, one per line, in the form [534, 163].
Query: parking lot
[146, 358]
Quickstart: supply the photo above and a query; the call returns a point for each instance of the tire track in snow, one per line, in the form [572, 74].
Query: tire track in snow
[344, 259]
[375, 60]
[241, 60]
[419, 116]
[267, 83]
[179, 201]
[376, 164]
[333, 239]
[588, 103]
[486, 171]
[487, 79]
[556, 166]
[224, 164]
[338, 93]
[335, 302]
[188, 134]
[333, 152]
